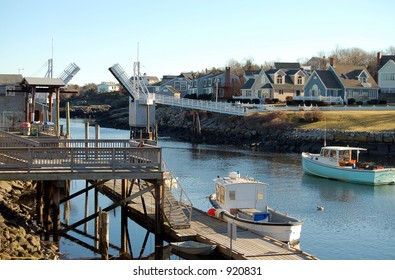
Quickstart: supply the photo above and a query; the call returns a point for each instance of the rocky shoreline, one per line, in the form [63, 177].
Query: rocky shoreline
[271, 132]
[19, 236]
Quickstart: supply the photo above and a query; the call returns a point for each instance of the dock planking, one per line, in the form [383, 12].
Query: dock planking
[211, 230]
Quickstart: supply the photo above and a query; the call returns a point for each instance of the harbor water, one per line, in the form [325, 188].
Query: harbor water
[357, 221]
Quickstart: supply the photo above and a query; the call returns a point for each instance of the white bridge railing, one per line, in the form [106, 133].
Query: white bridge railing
[218, 107]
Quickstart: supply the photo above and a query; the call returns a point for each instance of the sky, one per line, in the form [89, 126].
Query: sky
[174, 36]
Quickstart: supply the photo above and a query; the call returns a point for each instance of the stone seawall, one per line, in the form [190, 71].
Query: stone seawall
[264, 134]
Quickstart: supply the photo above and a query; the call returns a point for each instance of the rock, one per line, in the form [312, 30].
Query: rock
[6, 186]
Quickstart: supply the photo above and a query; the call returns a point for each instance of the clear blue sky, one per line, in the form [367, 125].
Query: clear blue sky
[176, 36]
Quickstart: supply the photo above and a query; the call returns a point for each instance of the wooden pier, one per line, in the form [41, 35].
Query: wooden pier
[207, 229]
[146, 191]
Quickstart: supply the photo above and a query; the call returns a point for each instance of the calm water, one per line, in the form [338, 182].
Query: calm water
[358, 221]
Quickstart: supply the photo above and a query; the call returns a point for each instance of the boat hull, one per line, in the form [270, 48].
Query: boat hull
[312, 166]
[286, 231]
[193, 247]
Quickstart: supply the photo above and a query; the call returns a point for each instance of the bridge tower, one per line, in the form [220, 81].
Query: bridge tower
[141, 102]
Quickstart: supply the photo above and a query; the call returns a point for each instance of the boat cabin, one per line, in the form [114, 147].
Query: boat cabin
[340, 156]
[235, 192]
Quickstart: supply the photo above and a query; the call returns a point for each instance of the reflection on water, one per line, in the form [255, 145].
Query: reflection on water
[357, 221]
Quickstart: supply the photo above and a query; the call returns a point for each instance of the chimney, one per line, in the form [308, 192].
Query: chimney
[228, 93]
[378, 62]
[332, 61]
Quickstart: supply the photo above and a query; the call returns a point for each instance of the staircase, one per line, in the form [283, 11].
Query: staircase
[177, 205]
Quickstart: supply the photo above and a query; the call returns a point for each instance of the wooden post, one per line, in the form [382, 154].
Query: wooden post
[104, 231]
[50, 106]
[86, 206]
[97, 138]
[55, 212]
[66, 210]
[47, 208]
[57, 90]
[68, 120]
[39, 202]
[159, 221]
[97, 223]
[124, 220]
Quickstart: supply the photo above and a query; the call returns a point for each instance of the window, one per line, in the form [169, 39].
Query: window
[9, 93]
[314, 90]
[279, 79]
[261, 195]
[232, 195]
[281, 91]
[183, 85]
[387, 76]
[300, 80]
[209, 82]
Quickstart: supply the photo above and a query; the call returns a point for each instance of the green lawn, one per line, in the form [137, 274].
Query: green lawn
[355, 121]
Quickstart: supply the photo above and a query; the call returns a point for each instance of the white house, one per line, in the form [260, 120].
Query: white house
[386, 74]
[107, 87]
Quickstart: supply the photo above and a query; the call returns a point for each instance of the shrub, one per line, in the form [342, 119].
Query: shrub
[351, 101]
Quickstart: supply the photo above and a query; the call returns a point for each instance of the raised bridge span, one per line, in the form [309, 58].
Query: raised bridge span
[141, 94]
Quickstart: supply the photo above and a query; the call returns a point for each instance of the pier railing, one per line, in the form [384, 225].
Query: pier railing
[79, 159]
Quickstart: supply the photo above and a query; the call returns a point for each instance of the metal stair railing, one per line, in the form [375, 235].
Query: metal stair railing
[177, 191]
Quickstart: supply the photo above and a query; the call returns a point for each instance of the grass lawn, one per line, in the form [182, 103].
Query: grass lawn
[354, 121]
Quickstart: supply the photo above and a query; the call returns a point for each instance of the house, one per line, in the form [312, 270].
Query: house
[283, 81]
[180, 84]
[386, 73]
[340, 83]
[215, 86]
[107, 87]
[317, 63]
[253, 90]
[12, 103]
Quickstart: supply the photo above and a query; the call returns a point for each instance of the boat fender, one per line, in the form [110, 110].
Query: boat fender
[211, 212]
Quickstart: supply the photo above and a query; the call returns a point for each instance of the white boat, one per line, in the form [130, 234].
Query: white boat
[242, 200]
[342, 163]
[193, 247]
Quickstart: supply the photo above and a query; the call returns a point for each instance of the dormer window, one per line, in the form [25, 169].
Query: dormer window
[362, 77]
[300, 80]
[279, 79]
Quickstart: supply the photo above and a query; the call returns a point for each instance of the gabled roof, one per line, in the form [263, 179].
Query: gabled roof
[33, 81]
[384, 59]
[328, 79]
[348, 75]
[10, 79]
[268, 85]
[248, 84]
[286, 65]
[385, 66]
[252, 72]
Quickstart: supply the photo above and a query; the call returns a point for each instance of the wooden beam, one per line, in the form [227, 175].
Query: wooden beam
[97, 184]
[87, 219]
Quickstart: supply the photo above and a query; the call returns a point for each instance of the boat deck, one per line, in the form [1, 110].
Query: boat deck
[210, 230]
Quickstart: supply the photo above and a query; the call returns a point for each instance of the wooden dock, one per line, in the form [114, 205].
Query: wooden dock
[207, 229]
[145, 190]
